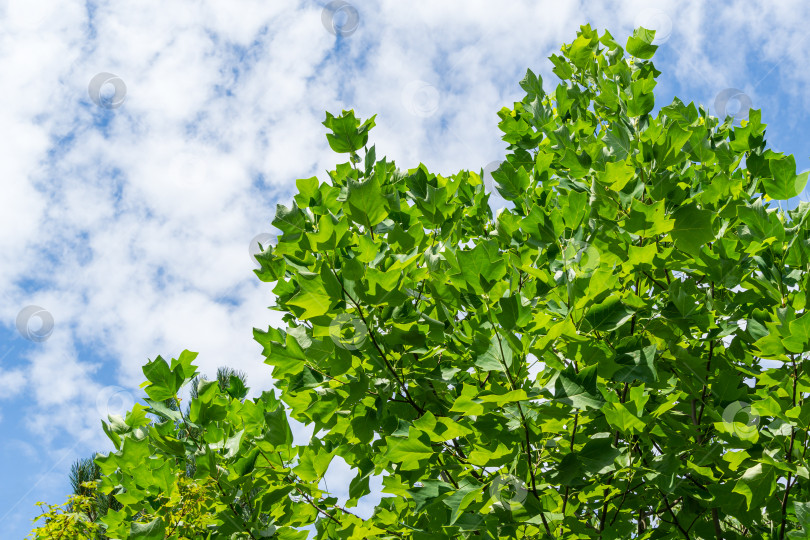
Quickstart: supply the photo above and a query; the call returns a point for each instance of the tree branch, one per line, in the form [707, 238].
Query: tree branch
[718, 531]
[674, 517]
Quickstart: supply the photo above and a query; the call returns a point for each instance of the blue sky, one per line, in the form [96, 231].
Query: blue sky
[130, 225]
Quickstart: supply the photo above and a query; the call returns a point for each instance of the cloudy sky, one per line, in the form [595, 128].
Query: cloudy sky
[147, 143]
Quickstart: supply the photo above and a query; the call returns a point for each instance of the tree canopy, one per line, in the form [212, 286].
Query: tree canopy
[620, 353]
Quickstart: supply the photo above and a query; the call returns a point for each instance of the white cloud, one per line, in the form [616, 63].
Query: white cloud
[12, 382]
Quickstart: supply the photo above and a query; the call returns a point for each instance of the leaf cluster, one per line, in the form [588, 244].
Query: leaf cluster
[621, 353]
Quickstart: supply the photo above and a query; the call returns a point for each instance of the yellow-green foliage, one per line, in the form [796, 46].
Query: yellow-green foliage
[187, 512]
[189, 509]
[75, 519]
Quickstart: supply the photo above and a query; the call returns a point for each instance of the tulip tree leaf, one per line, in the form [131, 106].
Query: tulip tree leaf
[784, 183]
[640, 43]
[347, 133]
[692, 228]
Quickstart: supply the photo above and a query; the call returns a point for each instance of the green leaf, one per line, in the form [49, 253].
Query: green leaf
[409, 452]
[638, 364]
[467, 403]
[761, 223]
[371, 160]
[798, 340]
[617, 142]
[642, 99]
[616, 175]
[581, 51]
[236, 388]
[312, 298]
[278, 428]
[367, 205]
[159, 407]
[513, 312]
[532, 84]
[163, 383]
[681, 297]
[461, 499]
[483, 261]
[692, 228]
[606, 316]
[802, 512]
[182, 366]
[620, 417]
[670, 152]
[154, 530]
[648, 219]
[348, 135]
[784, 183]
[511, 182]
[289, 220]
[576, 389]
[498, 357]
[597, 455]
[640, 43]
[313, 464]
[756, 484]
[508, 397]
[308, 191]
